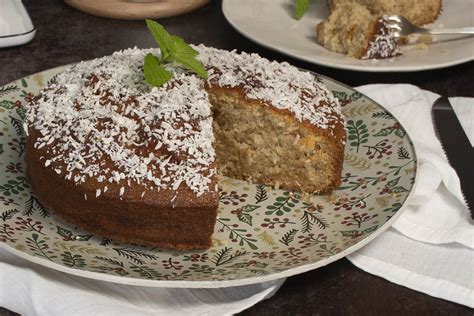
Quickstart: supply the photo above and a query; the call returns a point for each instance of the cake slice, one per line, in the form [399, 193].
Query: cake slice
[351, 29]
[419, 12]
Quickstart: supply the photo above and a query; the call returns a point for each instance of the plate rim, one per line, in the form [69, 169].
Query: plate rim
[359, 68]
[224, 283]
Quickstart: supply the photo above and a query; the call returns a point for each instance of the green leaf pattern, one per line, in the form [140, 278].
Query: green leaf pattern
[357, 133]
[283, 204]
[259, 231]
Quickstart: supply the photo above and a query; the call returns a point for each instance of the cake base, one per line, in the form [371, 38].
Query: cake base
[144, 222]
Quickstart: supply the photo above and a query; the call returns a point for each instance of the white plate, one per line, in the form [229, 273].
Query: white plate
[270, 23]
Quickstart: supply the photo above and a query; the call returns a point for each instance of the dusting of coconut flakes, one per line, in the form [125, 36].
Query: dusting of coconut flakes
[100, 120]
[102, 110]
[279, 84]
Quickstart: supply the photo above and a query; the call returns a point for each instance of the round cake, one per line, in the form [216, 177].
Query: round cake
[139, 164]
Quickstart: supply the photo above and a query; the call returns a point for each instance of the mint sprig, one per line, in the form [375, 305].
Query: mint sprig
[173, 50]
[155, 74]
[300, 8]
[186, 56]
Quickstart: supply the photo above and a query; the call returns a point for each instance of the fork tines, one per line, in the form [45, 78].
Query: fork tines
[394, 24]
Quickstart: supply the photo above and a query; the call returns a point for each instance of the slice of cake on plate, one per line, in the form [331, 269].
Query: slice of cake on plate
[351, 29]
[358, 28]
[419, 12]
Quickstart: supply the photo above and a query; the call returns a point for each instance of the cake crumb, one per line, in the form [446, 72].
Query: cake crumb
[425, 39]
[297, 139]
[306, 197]
[420, 46]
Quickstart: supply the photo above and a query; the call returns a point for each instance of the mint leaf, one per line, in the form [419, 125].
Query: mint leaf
[162, 37]
[193, 65]
[186, 56]
[183, 49]
[301, 8]
[173, 48]
[155, 74]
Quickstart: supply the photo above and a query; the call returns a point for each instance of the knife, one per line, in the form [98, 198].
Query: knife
[456, 145]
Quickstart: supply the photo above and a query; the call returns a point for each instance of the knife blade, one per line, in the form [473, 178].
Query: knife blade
[456, 145]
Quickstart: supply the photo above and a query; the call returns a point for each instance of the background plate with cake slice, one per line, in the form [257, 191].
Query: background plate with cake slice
[261, 233]
[271, 24]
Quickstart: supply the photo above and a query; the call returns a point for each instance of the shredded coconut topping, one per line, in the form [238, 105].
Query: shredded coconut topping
[280, 84]
[384, 44]
[100, 120]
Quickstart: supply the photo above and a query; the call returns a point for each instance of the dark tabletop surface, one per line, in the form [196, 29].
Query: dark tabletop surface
[65, 36]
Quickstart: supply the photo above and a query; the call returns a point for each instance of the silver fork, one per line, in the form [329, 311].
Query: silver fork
[400, 26]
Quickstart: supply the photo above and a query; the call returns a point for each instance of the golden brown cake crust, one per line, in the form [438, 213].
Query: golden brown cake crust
[148, 221]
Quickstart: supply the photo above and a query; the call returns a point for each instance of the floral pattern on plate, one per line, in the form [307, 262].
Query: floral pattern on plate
[261, 233]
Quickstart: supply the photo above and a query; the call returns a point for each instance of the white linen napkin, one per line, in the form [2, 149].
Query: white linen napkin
[30, 289]
[430, 248]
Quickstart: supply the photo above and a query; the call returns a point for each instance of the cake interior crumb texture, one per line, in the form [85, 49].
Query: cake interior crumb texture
[358, 28]
[256, 144]
[348, 30]
[419, 12]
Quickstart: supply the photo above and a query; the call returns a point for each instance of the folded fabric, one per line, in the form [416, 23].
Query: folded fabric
[30, 289]
[443, 271]
[430, 246]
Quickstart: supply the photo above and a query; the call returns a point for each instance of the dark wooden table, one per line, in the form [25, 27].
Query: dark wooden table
[65, 36]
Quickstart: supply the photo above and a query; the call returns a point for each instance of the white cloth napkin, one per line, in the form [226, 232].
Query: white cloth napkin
[30, 289]
[429, 248]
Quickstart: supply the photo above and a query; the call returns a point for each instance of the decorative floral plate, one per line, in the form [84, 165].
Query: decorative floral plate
[261, 233]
